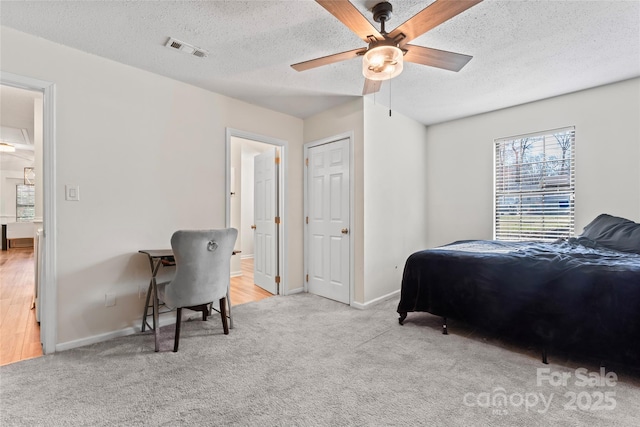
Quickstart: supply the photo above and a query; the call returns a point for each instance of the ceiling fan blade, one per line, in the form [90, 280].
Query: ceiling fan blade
[430, 17]
[347, 13]
[371, 86]
[326, 60]
[436, 58]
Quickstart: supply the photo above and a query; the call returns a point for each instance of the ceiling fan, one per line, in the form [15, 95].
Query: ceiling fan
[384, 56]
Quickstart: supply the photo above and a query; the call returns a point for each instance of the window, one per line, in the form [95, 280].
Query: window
[25, 203]
[535, 186]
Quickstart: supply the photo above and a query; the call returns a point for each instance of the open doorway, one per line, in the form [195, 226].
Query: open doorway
[21, 207]
[45, 267]
[255, 202]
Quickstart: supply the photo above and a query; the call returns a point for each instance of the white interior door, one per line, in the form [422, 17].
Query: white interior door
[328, 220]
[266, 219]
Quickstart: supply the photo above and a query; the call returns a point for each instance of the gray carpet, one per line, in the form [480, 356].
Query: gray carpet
[303, 360]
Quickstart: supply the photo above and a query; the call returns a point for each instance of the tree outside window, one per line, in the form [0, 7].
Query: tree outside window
[535, 186]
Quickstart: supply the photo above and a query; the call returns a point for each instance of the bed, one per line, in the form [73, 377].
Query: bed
[579, 293]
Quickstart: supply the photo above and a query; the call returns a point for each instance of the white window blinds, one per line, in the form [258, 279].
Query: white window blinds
[535, 186]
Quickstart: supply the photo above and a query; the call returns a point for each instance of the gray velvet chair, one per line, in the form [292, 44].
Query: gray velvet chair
[202, 273]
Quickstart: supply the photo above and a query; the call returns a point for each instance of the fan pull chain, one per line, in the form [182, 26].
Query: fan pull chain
[390, 93]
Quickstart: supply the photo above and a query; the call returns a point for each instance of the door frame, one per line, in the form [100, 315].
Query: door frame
[283, 230]
[307, 146]
[49, 288]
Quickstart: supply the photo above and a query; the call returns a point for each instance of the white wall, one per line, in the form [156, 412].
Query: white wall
[460, 159]
[8, 180]
[395, 196]
[148, 154]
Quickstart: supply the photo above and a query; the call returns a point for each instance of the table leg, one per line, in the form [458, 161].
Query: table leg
[146, 307]
[153, 285]
[154, 271]
[156, 325]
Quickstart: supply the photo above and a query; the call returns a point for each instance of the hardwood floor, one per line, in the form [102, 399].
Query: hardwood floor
[19, 331]
[243, 289]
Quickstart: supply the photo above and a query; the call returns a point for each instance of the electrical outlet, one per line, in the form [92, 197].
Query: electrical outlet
[109, 300]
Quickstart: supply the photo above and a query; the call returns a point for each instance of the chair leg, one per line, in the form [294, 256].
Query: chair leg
[177, 338]
[229, 308]
[223, 314]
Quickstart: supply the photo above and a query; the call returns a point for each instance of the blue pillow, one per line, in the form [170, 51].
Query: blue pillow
[614, 233]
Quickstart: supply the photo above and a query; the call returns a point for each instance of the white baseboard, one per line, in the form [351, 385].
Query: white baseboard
[164, 320]
[375, 301]
[236, 273]
[95, 339]
[295, 291]
[250, 256]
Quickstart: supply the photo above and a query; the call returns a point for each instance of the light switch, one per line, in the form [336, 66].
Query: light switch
[72, 192]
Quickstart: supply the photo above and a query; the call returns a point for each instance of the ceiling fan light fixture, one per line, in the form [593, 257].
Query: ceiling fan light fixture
[382, 62]
[7, 148]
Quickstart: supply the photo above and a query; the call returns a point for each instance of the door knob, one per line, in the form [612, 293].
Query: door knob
[253, 227]
[345, 231]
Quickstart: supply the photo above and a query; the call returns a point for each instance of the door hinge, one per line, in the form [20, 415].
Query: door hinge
[307, 220]
[277, 160]
[307, 278]
[277, 219]
[306, 161]
[278, 279]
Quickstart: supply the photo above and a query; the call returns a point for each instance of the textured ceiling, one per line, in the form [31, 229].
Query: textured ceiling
[522, 50]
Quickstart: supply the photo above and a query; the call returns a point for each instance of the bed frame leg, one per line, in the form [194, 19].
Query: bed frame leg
[402, 317]
[544, 356]
[444, 326]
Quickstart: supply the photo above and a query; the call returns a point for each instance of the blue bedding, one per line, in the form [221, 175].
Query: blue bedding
[570, 293]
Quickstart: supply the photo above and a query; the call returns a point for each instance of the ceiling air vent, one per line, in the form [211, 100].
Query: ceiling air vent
[186, 48]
